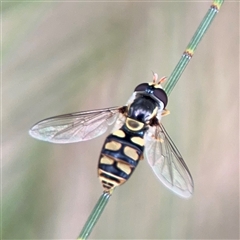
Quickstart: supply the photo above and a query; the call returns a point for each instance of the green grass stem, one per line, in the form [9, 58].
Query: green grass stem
[191, 47]
[94, 216]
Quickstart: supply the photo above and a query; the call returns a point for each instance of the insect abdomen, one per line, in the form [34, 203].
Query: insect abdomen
[119, 157]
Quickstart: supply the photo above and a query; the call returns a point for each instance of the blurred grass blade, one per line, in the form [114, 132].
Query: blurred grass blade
[191, 47]
[177, 72]
[96, 213]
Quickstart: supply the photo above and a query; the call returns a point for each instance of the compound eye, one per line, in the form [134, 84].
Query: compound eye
[141, 87]
[161, 95]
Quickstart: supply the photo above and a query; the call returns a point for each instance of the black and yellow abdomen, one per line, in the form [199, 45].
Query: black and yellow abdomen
[120, 155]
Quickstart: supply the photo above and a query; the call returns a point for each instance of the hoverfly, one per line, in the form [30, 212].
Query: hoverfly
[138, 131]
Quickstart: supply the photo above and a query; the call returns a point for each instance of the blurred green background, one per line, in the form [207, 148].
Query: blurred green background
[62, 57]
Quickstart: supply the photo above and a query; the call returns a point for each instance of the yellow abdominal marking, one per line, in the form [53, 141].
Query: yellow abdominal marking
[138, 140]
[131, 152]
[100, 171]
[114, 146]
[124, 167]
[119, 133]
[134, 125]
[114, 183]
[106, 160]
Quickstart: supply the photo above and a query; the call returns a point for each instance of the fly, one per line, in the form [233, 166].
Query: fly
[137, 134]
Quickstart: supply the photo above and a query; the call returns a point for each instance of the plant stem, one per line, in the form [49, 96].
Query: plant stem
[191, 47]
[94, 216]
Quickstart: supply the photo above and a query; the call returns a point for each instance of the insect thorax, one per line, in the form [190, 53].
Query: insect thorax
[143, 109]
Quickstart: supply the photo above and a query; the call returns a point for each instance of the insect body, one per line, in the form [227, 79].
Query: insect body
[124, 148]
[137, 132]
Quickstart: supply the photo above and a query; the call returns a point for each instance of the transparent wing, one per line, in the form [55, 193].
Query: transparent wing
[166, 162]
[75, 127]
